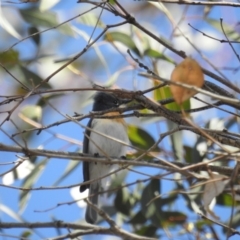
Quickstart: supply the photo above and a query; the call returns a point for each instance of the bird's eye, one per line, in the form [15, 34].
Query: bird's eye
[115, 102]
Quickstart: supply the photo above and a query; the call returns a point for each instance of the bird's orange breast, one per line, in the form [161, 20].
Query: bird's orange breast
[117, 119]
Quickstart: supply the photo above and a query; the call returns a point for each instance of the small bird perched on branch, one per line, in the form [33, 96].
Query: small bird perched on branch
[102, 146]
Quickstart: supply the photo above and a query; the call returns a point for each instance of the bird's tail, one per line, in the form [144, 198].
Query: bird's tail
[91, 214]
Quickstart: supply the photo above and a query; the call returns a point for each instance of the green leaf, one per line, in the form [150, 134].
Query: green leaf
[140, 138]
[164, 93]
[188, 154]
[168, 200]
[195, 156]
[139, 153]
[171, 218]
[37, 37]
[149, 231]
[225, 200]
[46, 19]
[229, 30]
[122, 38]
[30, 77]
[46, 4]
[112, 2]
[9, 58]
[151, 191]
[26, 234]
[202, 223]
[33, 112]
[29, 182]
[91, 19]
[44, 99]
[138, 218]
[155, 54]
[121, 202]
[137, 193]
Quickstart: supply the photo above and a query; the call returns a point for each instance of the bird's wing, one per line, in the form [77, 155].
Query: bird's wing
[85, 150]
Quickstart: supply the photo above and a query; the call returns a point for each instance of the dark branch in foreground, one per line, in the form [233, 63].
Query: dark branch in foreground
[86, 229]
[169, 166]
[200, 3]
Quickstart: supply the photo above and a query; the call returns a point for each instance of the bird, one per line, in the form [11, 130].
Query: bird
[102, 146]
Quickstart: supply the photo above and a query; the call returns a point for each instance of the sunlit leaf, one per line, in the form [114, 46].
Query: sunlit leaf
[26, 234]
[32, 112]
[225, 200]
[155, 54]
[46, 4]
[112, 2]
[5, 24]
[46, 19]
[91, 19]
[165, 93]
[13, 214]
[122, 38]
[136, 154]
[139, 137]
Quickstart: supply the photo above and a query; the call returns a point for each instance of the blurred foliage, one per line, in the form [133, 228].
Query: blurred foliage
[38, 90]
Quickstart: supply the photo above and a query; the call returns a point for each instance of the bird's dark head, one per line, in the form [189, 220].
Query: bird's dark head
[104, 101]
